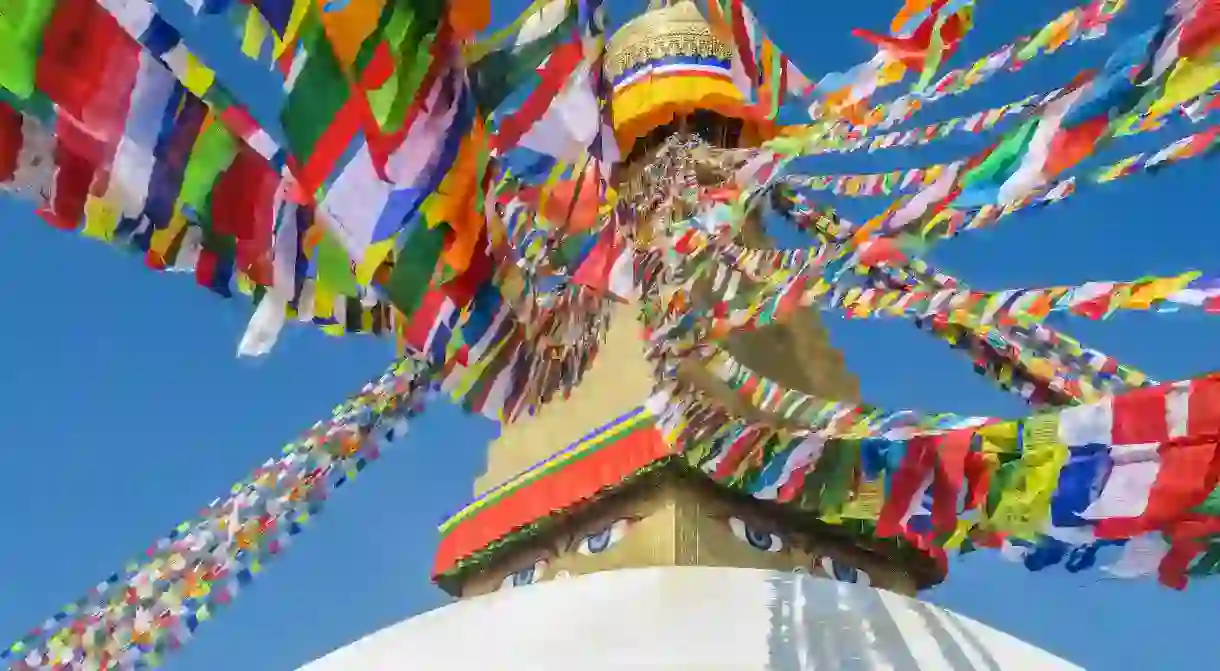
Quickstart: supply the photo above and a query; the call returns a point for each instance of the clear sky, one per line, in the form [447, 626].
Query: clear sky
[125, 408]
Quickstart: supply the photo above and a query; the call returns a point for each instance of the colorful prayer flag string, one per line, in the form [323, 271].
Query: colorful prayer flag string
[138, 615]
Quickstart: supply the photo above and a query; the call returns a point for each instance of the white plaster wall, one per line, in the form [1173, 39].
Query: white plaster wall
[695, 618]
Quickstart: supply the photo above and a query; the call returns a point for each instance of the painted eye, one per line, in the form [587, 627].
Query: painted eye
[845, 573]
[526, 576]
[757, 538]
[600, 541]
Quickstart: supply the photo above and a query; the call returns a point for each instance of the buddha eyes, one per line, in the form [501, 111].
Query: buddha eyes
[603, 539]
[591, 544]
[526, 576]
[756, 538]
[844, 572]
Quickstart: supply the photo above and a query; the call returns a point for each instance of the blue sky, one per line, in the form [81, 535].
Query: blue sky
[126, 410]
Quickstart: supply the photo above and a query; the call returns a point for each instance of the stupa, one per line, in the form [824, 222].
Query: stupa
[591, 544]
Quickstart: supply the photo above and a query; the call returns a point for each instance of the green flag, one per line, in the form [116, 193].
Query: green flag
[409, 29]
[1208, 564]
[213, 152]
[21, 26]
[414, 267]
[1004, 159]
[317, 95]
[1210, 505]
[335, 268]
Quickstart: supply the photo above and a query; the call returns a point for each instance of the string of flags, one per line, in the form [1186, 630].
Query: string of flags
[950, 221]
[978, 122]
[1095, 300]
[898, 181]
[1087, 22]
[1137, 471]
[976, 311]
[1051, 357]
[137, 616]
[1033, 360]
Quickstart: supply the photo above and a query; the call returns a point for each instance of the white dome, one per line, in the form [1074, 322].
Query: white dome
[693, 618]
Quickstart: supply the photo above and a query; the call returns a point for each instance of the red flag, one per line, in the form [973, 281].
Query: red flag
[241, 208]
[735, 454]
[554, 76]
[950, 472]
[88, 67]
[1182, 482]
[594, 271]
[1073, 145]
[978, 480]
[913, 50]
[1187, 456]
[11, 141]
[1204, 407]
[1139, 416]
[1202, 33]
[907, 485]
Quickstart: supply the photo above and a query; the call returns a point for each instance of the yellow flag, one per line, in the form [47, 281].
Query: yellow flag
[164, 238]
[999, 438]
[300, 9]
[101, 218]
[1189, 79]
[1025, 506]
[255, 34]
[959, 534]
[374, 256]
[199, 77]
[1115, 171]
[866, 502]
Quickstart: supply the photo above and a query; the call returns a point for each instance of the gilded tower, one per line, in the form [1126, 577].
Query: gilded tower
[588, 484]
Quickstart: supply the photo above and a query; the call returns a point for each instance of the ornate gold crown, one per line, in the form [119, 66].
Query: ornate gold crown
[676, 30]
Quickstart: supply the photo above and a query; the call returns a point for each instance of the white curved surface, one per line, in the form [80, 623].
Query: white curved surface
[694, 618]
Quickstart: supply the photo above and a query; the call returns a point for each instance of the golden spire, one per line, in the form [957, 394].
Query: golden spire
[666, 29]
